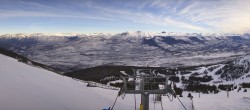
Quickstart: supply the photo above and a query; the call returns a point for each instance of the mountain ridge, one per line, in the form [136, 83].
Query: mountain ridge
[128, 33]
[69, 53]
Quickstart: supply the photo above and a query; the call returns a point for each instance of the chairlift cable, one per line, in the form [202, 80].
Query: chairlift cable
[134, 92]
[181, 103]
[169, 98]
[115, 101]
[135, 100]
[161, 104]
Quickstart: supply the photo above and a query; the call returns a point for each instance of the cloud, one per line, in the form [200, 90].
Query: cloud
[146, 17]
[221, 16]
[195, 15]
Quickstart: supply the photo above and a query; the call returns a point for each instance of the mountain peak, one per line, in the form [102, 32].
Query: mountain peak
[127, 33]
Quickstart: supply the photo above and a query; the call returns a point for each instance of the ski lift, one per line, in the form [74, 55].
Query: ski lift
[146, 83]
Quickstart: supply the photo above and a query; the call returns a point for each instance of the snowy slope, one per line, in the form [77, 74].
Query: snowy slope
[23, 87]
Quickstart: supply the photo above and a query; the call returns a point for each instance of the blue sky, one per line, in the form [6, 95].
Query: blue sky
[88, 16]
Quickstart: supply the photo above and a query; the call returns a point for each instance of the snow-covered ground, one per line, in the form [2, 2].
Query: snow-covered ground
[23, 87]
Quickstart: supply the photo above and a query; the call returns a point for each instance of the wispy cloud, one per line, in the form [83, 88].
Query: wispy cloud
[221, 16]
[195, 15]
[146, 17]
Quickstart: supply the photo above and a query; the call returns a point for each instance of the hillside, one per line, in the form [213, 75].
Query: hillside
[229, 72]
[24, 59]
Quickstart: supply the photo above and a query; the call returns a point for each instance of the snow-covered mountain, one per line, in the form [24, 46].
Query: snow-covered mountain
[72, 51]
[232, 72]
[236, 69]
[31, 88]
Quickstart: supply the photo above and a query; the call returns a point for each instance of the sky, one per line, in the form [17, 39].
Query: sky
[95, 16]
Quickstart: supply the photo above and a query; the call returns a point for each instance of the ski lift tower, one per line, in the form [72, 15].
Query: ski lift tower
[146, 82]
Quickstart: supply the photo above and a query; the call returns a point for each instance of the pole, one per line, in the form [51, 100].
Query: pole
[227, 93]
[146, 101]
[145, 95]
[199, 94]
[142, 101]
[192, 104]
[141, 107]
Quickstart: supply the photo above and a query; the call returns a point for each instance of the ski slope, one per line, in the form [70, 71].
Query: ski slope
[23, 87]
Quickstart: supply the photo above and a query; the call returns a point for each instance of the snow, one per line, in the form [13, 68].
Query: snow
[124, 73]
[128, 33]
[114, 82]
[23, 87]
[221, 102]
[216, 78]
